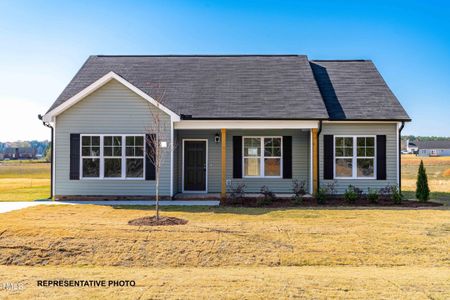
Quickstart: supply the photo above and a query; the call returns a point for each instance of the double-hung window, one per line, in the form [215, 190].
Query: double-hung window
[112, 156]
[135, 156]
[262, 156]
[90, 153]
[354, 157]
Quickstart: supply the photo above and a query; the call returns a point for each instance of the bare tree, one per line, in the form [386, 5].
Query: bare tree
[159, 139]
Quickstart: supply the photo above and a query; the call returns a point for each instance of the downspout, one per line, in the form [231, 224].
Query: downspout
[400, 157]
[46, 124]
[318, 154]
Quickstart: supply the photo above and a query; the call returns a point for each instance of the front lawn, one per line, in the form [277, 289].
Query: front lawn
[231, 252]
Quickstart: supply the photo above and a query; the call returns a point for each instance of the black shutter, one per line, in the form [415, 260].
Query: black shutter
[328, 165]
[381, 157]
[150, 172]
[74, 156]
[287, 156]
[237, 156]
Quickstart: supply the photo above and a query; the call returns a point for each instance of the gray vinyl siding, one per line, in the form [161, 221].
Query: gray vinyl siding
[300, 160]
[112, 109]
[390, 130]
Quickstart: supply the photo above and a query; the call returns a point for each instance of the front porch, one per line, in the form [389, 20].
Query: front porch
[208, 162]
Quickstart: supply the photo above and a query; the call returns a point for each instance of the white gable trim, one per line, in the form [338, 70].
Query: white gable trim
[50, 116]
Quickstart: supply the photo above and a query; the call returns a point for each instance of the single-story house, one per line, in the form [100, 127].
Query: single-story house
[261, 120]
[19, 153]
[411, 147]
[433, 148]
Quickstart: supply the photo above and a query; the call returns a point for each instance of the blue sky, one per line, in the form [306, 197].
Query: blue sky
[43, 44]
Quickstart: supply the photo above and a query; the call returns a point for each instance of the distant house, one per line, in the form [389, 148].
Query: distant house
[411, 147]
[433, 148]
[19, 153]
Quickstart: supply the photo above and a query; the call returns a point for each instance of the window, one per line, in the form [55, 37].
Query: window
[354, 156]
[135, 156]
[112, 152]
[262, 156]
[112, 156]
[90, 152]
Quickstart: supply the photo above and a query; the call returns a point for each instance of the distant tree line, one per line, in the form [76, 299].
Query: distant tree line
[39, 146]
[425, 138]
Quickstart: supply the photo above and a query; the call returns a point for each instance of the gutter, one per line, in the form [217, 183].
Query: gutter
[400, 157]
[318, 154]
[46, 124]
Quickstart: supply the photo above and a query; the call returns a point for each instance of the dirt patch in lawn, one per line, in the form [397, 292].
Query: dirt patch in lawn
[152, 221]
[330, 202]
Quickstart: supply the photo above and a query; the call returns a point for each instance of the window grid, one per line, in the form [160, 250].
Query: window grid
[102, 157]
[355, 157]
[262, 156]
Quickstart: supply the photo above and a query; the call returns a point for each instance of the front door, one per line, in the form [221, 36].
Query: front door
[195, 166]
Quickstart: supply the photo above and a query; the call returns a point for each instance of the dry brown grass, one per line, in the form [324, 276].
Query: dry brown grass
[96, 235]
[446, 173]
[229, 252]
[436, 170]
[236, 283]
[24, 181]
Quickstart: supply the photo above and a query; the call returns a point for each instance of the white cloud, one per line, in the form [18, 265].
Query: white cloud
[19, 120]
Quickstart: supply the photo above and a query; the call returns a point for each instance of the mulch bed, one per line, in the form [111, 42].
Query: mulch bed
[333, 202]
[163, 221]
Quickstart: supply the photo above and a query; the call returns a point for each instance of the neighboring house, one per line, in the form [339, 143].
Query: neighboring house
[252, 119]
[433, 148]
[411, 147]
[19, 153]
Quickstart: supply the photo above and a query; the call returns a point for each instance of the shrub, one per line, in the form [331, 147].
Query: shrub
[351, 194]
[422, 189]
[385, 193]
[299, 190]
[299, 187]
[321, 195]
[268, 196]
[236, 193]
[392, 193]
[372, 195]
[396, 196]
[331, 188]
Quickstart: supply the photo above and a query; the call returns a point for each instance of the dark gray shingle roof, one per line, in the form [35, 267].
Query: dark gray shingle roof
[251, 86]
[354, 89]
[432, 144]
[256, 86]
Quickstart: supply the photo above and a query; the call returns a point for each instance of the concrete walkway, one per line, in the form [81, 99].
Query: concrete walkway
[10, 206]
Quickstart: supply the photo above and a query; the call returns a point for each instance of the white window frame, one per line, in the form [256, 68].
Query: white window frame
[262, 157]
[102, 157]
[355, 158]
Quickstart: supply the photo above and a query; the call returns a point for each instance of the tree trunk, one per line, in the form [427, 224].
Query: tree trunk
[157, 196]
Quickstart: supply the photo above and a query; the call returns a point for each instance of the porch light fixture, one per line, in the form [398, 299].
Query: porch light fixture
[217, 138]
[163, 144]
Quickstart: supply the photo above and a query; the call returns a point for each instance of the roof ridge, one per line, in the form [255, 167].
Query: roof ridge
[204, 55]
[340, 60]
